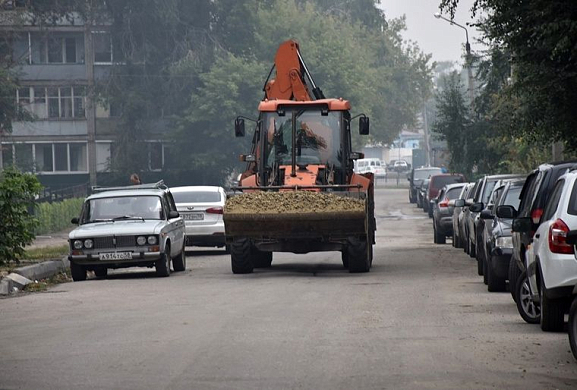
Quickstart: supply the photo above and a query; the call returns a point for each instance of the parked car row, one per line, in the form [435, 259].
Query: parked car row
[522, 232]
[146, 225]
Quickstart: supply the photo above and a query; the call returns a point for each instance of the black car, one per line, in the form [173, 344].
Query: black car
[480, 200]
[416, 178]
[533, 198]
[458, 214]
[497, 236]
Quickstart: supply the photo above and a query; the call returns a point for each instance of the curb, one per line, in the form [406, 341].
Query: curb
[43, 270]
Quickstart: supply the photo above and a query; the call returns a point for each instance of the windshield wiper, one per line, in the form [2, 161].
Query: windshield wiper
[126, 217]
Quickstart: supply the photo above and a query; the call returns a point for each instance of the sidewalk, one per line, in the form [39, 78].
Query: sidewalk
[51, 240]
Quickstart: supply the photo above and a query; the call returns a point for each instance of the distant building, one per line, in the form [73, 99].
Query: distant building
[72, 138]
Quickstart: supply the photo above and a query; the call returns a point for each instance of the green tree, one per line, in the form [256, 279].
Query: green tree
[17, 224]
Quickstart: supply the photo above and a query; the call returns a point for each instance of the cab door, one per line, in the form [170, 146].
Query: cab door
[175, 227]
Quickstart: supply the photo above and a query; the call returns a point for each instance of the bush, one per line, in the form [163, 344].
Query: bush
[17, 224]
[54, 217]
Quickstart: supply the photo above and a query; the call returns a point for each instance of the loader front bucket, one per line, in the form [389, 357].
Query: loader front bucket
[310, 225]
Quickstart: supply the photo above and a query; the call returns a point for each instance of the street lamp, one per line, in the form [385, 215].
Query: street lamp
[468, 50]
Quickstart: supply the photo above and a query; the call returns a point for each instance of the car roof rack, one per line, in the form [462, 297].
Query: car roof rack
[147, 186]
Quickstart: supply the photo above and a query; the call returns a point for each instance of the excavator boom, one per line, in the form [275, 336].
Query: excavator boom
[291, 70]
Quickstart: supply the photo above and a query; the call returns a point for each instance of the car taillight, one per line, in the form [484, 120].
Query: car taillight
[558, 238]
[444, 203]
[214, 210]
[536, 215]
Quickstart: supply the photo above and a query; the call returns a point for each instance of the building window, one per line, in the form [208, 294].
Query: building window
[47, 157]
[102, 47]
[56, 48]
[23, 95]
[59, 102]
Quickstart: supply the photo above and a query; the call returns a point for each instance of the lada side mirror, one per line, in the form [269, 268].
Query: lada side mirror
[239, 127]
[486, 214]
[173, 214]
[522, 225]
[75, 221]
[364, 125]
[507, 212]
[459, 202]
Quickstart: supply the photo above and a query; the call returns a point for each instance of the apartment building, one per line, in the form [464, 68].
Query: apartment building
[71, 138]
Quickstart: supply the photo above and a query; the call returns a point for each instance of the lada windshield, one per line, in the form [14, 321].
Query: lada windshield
[317, 137]
[121, 208]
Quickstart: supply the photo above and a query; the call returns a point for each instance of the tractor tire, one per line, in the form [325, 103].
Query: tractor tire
[162, 265]
[552, 312]
[240, 256]
[359, 254]
[78, 272]
[179, 262]
[261, 259]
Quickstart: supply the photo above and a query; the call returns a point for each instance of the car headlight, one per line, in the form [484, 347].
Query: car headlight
[141, 240]
[77, 244]
[152, 240]
[88, 244]
[504, 242]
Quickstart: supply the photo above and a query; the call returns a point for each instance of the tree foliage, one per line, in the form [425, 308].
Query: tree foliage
[17, 193]
[541, 39]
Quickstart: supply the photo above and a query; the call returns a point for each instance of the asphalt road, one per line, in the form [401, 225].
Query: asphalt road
[421, 319]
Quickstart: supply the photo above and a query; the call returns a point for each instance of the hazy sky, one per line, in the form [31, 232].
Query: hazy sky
[436, 36]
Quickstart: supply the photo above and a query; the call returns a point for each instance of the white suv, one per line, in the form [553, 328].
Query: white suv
[552, 261]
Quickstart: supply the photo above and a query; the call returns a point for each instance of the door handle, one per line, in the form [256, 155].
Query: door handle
[537, 235]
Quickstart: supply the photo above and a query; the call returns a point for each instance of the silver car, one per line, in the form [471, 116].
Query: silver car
[127, 227]
[202, 207]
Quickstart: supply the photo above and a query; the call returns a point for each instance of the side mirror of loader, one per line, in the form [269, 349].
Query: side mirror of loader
[364, 125]
[239, 127]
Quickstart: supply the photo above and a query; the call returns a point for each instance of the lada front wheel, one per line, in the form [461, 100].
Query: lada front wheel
[163, 264]
[179, 262]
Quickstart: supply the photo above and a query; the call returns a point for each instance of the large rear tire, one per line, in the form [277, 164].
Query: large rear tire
[552, 312]
[529, 310]
[240, 253]
[360, 255]
[78, 272]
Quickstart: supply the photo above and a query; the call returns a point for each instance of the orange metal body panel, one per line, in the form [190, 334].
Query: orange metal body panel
[248, 181]
[304, 177]
[333, 104]
[289, 81]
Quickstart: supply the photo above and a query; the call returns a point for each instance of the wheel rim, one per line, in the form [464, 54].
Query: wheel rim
[532, 310]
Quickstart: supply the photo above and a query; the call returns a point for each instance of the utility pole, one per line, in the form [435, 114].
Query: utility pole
[90, 106]
[468, 59]
[426, 133]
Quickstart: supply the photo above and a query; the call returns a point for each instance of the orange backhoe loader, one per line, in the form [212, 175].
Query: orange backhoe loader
[301, 143]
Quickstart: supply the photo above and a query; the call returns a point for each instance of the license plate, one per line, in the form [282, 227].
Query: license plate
[194, 216]
[115, 256]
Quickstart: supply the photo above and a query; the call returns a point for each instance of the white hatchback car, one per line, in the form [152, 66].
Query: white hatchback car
[201, 208]
[552, 261]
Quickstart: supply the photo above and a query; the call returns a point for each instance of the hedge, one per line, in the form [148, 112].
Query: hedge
[55, 217]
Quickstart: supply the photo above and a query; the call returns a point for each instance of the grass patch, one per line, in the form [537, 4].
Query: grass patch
[54, 252]
[44, 284]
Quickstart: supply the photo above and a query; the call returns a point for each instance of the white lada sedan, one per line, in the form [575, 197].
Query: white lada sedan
[201, 208]
[122, 227]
